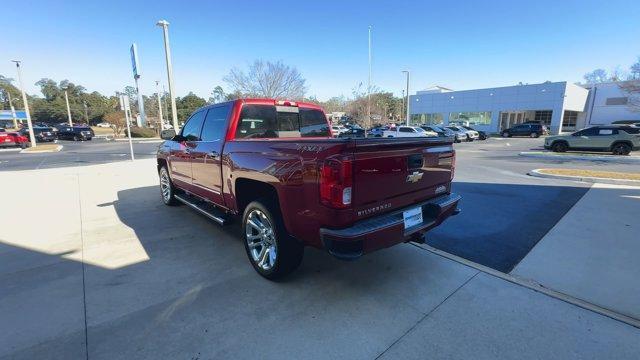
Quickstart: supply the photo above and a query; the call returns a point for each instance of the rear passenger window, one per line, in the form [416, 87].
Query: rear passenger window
[607, 132]
[313, 123]
[264, 121]
[191, 130]
[215, 123]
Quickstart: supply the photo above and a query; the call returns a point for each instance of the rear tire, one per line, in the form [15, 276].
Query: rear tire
[273, 253]
[621, 149]
[534, 135]
[167, 190]
[560, 147]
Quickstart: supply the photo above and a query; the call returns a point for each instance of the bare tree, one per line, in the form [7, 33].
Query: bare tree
[268, 80]
[632, 88]
[117, 121]
[634, 70]
[596, 76]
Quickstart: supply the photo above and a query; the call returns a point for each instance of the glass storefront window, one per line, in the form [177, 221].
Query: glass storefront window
[569, 119]
[472, 118]
[544, 117]
[428, 119]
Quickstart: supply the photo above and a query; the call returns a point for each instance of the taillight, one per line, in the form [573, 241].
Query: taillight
[336, 179]
[285, 103]
[453, 164]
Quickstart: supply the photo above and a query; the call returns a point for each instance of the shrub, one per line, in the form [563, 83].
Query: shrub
[137, 132]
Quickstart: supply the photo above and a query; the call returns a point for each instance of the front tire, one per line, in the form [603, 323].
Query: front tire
[559, 147]
[621, 149]
[271, 251]
[534, 135]
[505, 134]
[167, 190]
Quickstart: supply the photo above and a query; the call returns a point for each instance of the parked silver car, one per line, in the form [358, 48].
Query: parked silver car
[461, 133]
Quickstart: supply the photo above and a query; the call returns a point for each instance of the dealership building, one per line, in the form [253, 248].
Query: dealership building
[561, 106]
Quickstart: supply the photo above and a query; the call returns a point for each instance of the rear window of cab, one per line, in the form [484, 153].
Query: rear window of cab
[271, 122]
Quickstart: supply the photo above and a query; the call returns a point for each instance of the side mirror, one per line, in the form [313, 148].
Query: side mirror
[168, 134]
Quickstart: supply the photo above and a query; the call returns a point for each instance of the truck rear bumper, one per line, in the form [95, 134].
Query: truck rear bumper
[386, 230]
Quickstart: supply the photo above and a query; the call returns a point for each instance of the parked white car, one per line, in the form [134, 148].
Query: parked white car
[471, 134]
[409, 131]
[104, 125]
[336, 130]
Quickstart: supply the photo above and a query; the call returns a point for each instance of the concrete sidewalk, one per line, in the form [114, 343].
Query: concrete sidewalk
[112, 273]
[592, 253]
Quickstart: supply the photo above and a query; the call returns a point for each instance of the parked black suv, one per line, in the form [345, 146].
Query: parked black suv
[76, 133]
[41, 133]
[530, 130]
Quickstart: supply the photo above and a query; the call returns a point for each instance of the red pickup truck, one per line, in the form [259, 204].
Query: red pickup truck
[276, 164]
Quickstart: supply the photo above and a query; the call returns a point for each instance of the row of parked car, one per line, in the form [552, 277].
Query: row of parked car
[458, 132]
[44, 133]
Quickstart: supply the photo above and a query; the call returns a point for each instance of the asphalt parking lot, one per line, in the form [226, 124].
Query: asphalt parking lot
[506, 212]
[96, 151]
[113, 273]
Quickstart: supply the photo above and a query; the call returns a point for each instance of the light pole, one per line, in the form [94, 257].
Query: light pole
[124, 105]
[66, 98]
[408, 116]
[13, 111]
[369, 84]
[86, 112]
[164, 94]
[142, 121]
[160, 119]
[402, 108]
[167, 51]
[32, 138]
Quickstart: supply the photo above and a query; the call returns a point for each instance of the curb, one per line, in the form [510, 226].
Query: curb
[537, 173]
[605, 158]
[57, 149]
[533, 285]
[139, 139]
[10, 150]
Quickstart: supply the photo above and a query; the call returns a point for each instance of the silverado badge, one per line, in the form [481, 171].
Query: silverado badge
[414, 177]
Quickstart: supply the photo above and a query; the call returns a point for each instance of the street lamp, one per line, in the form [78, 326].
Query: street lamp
[13, 110]
[66, 98]
[86, 112]
[402, 108]
[408, 116]
[167, 51]
[160, 119]
[32, 137]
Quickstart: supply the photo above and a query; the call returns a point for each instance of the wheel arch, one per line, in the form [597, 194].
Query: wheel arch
[626, 142]
[247, 190]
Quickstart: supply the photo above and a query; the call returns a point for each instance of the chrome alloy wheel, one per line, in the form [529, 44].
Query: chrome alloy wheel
[165, 185]
[261, 240]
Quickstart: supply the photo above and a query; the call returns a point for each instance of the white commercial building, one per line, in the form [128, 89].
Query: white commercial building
[561, 106]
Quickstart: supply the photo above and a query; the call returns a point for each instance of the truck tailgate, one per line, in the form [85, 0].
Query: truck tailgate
[386, 170]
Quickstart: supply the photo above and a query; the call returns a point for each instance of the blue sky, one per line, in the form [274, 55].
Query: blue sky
[458, 44]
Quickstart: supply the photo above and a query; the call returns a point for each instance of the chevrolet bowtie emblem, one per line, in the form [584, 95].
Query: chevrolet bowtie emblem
[414, 177]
